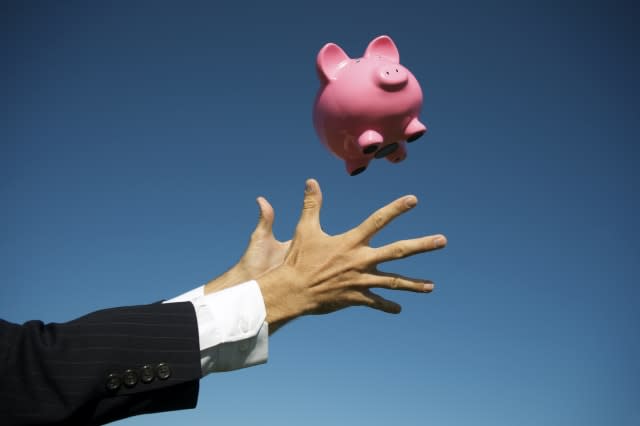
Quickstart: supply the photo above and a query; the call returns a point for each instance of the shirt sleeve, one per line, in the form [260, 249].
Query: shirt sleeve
[231, 326]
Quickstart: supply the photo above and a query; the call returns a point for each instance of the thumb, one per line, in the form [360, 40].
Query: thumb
[265, 220]
[311, 205]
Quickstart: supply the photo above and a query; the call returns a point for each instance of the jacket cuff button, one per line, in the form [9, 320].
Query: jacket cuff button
[147, 374]
[163, 371]
[113, 382]
[130, 378]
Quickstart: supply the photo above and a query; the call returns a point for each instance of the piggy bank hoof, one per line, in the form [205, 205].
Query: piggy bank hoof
[369, 141]
[384, 151]
[358, 171]
[398, 154]
[415, 136]
[370, 149]
[397, 159]
[355, 166]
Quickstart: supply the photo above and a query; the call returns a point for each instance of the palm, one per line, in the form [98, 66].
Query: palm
[263, 253]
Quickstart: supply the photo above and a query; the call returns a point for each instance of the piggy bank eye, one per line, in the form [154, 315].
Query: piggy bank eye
[357, 60]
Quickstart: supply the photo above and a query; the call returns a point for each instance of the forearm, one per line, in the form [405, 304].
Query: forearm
[235, 275]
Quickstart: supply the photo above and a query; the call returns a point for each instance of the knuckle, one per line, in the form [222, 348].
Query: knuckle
[395, 283]
[309, 203]
[399, 251]
[378, 220]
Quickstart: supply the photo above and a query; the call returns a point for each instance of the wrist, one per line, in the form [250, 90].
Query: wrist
[233, 276]
[282, 302]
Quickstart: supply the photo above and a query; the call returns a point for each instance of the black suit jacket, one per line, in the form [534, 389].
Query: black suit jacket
[105, 366]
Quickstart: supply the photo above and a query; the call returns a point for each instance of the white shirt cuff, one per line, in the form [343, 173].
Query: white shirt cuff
[231, 326]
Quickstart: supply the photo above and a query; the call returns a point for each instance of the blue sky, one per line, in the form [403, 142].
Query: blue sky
[135, 137]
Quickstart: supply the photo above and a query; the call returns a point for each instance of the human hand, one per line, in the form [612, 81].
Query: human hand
[323, 273]
[263, 253]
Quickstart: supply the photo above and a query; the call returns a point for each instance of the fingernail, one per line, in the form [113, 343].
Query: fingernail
[410, 201]
[428, 287]
[440, 242]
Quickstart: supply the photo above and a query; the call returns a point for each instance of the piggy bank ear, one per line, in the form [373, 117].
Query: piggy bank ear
[385, 47]
[330, 59]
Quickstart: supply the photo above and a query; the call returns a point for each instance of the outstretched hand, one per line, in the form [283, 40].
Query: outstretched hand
[323, 273]
[263, 253]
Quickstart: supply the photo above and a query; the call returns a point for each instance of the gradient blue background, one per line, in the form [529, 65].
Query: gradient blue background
[136, 136]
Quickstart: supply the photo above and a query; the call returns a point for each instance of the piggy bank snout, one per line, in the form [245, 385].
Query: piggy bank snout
[392, 76]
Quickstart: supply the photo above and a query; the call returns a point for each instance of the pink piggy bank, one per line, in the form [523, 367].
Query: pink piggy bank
[368, 107]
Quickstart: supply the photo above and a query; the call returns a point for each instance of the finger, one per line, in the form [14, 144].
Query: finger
[312, 204]
[372, 300]
[381, 218]
[395, 282]
[406, 248]
[265, 220]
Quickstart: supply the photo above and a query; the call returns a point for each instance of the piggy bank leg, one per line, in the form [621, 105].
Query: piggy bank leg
[398, 154]
[386, 150]
[355, 167]
[369, 141]
[414, 130]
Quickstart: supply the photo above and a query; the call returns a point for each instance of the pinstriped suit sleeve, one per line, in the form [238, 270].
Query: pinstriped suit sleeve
[57, 373]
